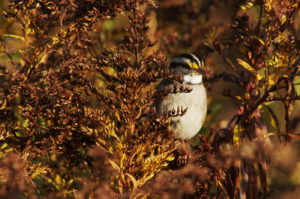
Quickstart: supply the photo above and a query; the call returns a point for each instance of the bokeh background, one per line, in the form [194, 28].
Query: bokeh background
[175, 27]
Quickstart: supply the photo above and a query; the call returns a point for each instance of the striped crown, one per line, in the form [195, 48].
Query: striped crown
[188, 60]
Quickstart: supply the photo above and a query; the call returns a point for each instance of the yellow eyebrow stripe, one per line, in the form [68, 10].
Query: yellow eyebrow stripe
[193, 65]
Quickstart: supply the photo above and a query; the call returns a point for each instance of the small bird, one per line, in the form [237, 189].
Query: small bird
[193, 103]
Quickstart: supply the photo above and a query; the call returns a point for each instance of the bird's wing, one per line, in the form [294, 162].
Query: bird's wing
[164, 84]
[160, 87]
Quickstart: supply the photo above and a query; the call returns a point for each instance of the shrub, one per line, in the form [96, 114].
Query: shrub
[77, 84]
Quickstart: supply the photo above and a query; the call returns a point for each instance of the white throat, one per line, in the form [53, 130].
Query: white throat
[192, 79]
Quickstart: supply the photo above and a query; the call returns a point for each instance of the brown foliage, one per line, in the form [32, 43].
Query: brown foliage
[77, 89]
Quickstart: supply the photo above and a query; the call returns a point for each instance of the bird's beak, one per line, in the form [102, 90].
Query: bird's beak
[199, 71]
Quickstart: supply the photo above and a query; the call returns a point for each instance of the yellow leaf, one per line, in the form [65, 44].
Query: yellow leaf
[38, 171]
[170, 158]
[117, 116]
[123, 158]
[282, 19]
[15, 36]
[110, 71]
[3, 105]
[3, 146]
[239, 98]
[70, 181]
[273, 119]
[260, 40]
[273, 123]
[246, 66]
[18, 134]
[55, 40]
[243, 8]
[25, 123]
[53, 157]
[113, 164]
[249, 68]
[272, 79]
[133, 180]
[247, 96]
[236, 135]
[247, 6]
[268, 6]
[258, 77]
[57, 179]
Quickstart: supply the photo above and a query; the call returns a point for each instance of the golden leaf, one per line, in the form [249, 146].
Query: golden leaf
[57, 179]
[15, 36]
[249, 68]
[113, 164]
[133, 180]
[236, 135]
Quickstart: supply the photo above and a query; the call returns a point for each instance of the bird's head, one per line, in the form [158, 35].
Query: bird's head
[189, 66]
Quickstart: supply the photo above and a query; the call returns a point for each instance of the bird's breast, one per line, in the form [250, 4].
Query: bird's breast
[195, 102]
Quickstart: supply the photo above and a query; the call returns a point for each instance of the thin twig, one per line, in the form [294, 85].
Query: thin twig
[229, 63]
[259, 19]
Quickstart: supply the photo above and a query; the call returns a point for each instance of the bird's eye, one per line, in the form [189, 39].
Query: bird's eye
[186, 66]
[173, 65]
[183, 65]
